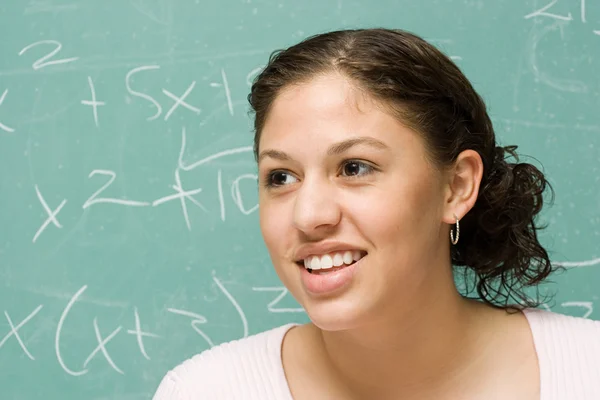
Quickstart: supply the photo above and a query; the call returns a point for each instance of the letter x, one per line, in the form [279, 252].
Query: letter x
[102, 347]
[14, 330]
[51, 214]
[180, 101]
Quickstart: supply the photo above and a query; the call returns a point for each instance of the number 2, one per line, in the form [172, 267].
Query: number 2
[45, 60]
[95, 199]
[543, 12]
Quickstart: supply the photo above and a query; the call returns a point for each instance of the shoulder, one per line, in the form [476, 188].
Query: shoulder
[552, 326]
[568, 350]
[572, 338]
[239, 366]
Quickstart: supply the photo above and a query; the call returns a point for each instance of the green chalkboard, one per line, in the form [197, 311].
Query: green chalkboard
[127, 182]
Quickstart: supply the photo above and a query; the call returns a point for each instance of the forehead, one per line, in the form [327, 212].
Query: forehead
[325, 94]
[326, 109]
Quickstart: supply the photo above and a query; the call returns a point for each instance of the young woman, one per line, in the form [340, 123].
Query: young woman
[380, 177]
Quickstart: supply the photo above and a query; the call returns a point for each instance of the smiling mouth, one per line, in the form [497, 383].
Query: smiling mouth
[332, 262]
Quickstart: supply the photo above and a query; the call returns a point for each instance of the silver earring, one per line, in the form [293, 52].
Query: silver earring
[453, 239]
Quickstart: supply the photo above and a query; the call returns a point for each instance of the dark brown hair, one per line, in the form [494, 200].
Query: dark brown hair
[498, 237]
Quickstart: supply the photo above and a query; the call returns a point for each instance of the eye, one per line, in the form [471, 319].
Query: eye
[353, 168]
[279, 178]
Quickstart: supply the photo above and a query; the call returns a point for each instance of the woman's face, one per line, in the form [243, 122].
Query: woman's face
[341, 179]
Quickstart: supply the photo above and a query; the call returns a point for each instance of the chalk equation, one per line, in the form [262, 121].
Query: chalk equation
[548, 11]
[548, 19]
[139, 335]
[181, 194]
[171, 102]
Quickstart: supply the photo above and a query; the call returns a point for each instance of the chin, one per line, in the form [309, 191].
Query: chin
[335, 314]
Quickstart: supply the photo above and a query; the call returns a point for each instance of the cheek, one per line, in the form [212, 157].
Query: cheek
[403, 216]
[273, 225]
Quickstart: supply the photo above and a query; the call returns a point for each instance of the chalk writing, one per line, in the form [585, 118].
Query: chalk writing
[176, 102]
[235, 304]
[14, 330]
[93, 102]
[224, 84]
[588, 306]
[94, 199]
[282, 290]
[220, 192]
[197, 320]
[546, 12]
[236, 194]
[4, 127]
[182, 195]
[180, 101]
[208, 159]
[139, 334]
[142, 95]
[45, 60]
[543, 12]
[52, 214]
[252, 75]
[102, 347]
[578, 264]
[59, 328]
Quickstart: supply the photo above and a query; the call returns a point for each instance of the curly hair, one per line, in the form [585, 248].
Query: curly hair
[423, 87]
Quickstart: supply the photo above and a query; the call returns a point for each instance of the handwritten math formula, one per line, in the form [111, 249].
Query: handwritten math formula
[194, 321]
[579, 13]
[164, 107]
[105, 177]
[182, 195]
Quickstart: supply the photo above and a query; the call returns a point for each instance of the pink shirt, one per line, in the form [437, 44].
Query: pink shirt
[568, 350]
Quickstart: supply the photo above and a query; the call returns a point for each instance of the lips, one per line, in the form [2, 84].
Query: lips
[327, 282]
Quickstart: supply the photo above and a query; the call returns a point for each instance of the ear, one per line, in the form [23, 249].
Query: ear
[462, 187]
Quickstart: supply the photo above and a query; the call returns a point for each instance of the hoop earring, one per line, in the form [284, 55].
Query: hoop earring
[453, 239]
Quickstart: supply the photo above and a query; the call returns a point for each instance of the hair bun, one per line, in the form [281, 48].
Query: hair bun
[501, 245]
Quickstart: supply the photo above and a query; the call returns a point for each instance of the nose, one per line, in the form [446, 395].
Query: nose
[316, 207]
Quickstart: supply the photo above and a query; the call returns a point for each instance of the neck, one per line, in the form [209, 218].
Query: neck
[410, 350]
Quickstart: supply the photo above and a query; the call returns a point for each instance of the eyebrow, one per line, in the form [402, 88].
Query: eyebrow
[335, 149]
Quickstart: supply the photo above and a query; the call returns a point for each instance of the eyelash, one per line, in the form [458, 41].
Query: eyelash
[369, 170]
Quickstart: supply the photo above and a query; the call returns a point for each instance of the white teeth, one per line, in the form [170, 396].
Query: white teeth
[326, 261]
[348, 257]
[337, 259]
[314, 263]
